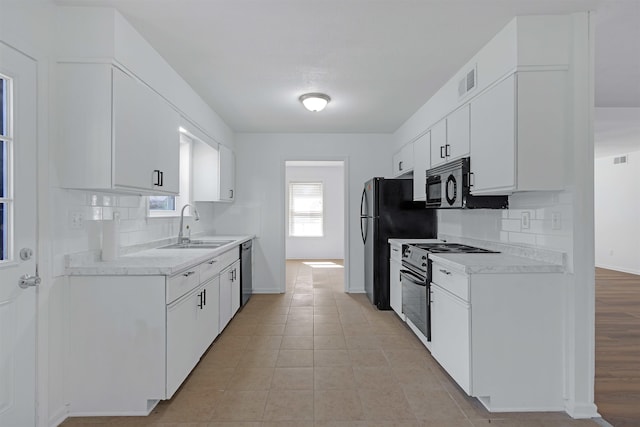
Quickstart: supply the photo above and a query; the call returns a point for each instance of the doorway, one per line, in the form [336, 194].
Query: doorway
[315, 222]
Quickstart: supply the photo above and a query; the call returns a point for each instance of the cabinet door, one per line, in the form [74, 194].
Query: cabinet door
[207, 313]
[146, 141]
[450, 335]
[235, 288]
[422, 162]
[182, 352]
[225, 297]
[493, 117]
[395, 291]
[438, 143]
[132, 149]
[458, 133]
[227, 174]
[206, 173]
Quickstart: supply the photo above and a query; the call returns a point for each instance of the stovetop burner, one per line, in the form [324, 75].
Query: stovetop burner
[437, 248]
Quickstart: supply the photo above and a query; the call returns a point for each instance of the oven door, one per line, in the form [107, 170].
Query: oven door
[434, 191]
[415, 300]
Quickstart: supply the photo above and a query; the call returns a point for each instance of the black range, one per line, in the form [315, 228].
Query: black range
[416, 279]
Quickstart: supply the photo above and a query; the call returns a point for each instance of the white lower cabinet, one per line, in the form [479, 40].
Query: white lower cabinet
[499, 336]
[134, 339]
[450, 341]
[395, 287]
[229, 293]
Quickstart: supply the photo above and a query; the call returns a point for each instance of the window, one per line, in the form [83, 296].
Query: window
[305, 209]
[160, 206]
[6, 190]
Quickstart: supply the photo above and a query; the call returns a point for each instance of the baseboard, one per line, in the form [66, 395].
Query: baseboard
[620, 269]
[267, 291]
[581, 410]
[58, 417]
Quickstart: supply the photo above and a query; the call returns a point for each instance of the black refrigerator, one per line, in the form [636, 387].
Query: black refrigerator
[387, 210]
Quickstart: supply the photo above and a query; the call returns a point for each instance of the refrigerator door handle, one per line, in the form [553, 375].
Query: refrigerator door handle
[362, 203]
[363, 232]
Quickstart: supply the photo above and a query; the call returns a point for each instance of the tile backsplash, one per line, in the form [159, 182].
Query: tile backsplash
[79, 218]
[534, 219]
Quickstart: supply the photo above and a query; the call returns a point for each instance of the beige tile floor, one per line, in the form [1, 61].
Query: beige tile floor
[316, 356]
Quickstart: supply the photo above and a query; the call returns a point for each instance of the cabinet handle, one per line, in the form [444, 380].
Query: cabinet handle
[213, 261]
[395, 250]
[156, 177]
[448, 273]
[161, 179]
[204, 296]
[189, 273]
[472, 179]
[201, 303]
[400, 165]
[442, 155]
[231, 275]
[447, 150]
[231, 194]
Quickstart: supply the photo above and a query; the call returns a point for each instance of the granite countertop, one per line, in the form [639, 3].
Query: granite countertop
[155, 261]
[408, 241]
[495, 263]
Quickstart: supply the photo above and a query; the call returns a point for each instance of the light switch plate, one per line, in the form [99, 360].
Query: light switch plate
[76, 220]
[556, 221]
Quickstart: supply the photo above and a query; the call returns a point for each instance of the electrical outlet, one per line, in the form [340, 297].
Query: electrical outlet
[76, 220]
[525, 220]
[556, 221]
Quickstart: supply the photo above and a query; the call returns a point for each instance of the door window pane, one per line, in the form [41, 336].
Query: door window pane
[162, 203]
[4, 162]
[3, 107]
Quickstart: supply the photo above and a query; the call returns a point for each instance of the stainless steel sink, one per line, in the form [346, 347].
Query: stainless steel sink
[198, 244]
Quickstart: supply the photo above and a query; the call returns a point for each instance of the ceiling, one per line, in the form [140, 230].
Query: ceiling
[379, 60]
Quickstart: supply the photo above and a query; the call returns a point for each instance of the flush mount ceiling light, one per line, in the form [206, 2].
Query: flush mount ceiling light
[314, 101]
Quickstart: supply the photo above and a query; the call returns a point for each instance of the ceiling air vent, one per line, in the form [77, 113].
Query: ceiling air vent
[467, 83]
[619, 160]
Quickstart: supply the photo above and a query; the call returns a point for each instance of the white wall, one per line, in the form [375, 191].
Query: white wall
[331, 244]
[617, 213]
[259, 206]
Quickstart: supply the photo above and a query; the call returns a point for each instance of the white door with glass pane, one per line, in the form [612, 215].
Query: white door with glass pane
[18, 238]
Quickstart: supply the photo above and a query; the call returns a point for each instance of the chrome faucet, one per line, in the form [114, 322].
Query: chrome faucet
[196, 217]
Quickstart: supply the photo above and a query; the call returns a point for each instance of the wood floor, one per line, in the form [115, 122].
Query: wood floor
[617, 385]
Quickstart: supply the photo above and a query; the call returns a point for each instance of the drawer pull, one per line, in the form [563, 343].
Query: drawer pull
[448, 273]
[213, 261]
[189, 273]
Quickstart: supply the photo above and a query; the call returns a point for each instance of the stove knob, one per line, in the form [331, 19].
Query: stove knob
[424, 264]
[424, 258]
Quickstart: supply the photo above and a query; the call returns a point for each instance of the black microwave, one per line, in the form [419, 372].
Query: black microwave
[449, 187]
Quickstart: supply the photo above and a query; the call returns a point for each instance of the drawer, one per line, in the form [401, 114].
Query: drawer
[182, 283]
[214, 266]
[453, 281]
[396, 252]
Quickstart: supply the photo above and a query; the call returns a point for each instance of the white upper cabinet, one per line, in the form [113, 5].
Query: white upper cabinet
[116, 134]
[422, 162]
[227, 174]
[518, 134]
[403, 160]
[458, 133]
[450, 137]
[206, 172]
[438, 143]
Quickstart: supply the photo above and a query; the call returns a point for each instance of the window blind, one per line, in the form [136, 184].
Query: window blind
[305, 209]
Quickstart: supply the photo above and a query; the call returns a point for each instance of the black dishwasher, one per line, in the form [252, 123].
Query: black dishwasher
[245, 272]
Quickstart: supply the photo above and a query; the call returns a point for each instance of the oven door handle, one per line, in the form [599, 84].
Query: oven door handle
[413, 278]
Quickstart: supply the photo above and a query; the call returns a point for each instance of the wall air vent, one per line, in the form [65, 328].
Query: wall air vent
[619, 160]
[471, 80]
[467, 83]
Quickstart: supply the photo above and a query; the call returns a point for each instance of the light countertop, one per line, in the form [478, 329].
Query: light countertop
[156, 261]
[492, 263]
[499, 263]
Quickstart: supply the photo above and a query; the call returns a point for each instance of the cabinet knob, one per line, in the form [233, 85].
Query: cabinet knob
[213, 261]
